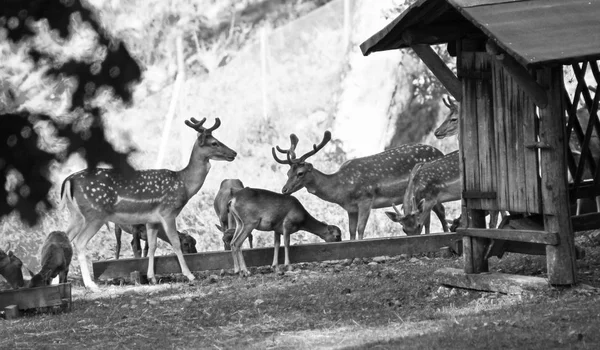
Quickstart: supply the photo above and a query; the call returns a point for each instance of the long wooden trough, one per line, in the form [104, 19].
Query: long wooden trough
[12, 301]
[216, 260]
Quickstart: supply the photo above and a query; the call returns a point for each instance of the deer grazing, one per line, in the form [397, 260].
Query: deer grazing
[226, 222]
[11, 269]
[138, 233]
[56, 258]
[154, 197]
[360, 184]
[431, 183]
[258, 209]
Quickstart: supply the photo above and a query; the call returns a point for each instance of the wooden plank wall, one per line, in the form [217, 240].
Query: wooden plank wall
[477, 131]
[515, 126]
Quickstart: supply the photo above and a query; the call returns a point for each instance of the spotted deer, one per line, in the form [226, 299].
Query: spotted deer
[258, 209]
[138, 234]
[430, 184]
[56, 258]
[11, 269]
[152, 197]
[360, 184]
[226, 222]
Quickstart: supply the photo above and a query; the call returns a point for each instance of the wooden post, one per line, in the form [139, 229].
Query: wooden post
[11, 312]
[439, 69]
[555, 199]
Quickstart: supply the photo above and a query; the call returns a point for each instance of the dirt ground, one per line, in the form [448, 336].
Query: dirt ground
[381, 303]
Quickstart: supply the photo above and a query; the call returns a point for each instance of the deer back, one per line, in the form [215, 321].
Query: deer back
[134, 198]
[226, 190]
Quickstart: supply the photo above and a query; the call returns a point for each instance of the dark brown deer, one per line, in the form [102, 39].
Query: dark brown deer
[11, 269]
[258, 209]
[154, 197]
[360, 184]
[138, 234]
[226, 222]
[56, 258]
[430, 183]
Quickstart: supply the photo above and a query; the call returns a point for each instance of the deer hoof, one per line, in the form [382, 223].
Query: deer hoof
[289, 268]
[245, 273]
[152, 280]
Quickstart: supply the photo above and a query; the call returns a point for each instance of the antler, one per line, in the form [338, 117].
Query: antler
[326, 138]
[197, 125]
[291, 155]
[450, 103]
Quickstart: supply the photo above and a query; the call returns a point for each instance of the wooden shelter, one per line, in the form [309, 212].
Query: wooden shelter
[523, 148]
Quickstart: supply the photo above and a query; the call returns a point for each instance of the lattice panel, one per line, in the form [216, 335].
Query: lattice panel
[583, 126]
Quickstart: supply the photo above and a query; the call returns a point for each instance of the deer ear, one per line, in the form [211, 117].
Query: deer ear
[420, 206]
[31, 273]
[393, 216]
[220, 228]
[309, 167]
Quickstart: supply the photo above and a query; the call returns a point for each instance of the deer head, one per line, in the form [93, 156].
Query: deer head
[449, 126]
[411, 222]
[300, 171]
[206, 144]
[10, 268]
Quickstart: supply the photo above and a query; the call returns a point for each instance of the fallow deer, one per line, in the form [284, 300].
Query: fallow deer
[360, 184]
[227, 224]
[430, 183]
[258, 209]
[154, 197]
[138, 234]
[56, 258]
[11, 269]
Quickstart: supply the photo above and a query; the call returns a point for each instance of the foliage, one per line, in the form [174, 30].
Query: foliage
[25, 155]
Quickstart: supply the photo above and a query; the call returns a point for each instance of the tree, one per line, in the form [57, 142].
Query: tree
[24, 158]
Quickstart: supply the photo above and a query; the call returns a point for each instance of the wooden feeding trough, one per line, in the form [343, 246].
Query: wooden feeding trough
[12, 302]
[525, 147]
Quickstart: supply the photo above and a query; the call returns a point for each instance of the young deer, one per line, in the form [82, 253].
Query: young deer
[227, 224]
[360, 184]
[257, 209]
[11, 269]
[138, 233]
[56, 258]
[430, 183]
[154, 197]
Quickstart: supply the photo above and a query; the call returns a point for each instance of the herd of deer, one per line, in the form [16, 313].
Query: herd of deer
[146, 203]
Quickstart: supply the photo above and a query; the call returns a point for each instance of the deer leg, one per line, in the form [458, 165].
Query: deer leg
[250, 240]
[145, 251]
[598, 203]
[81, 239]
[136, 244]
[493, 218]
[427, 224]
[363, 216]
[171, 230]
[241, 233]
[353, 221]
[276, 245]
[151, 232]
[579, 206]
[440, 211]
[286, 248]
[118, 232]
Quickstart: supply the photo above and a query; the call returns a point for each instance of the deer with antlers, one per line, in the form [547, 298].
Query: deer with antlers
[360, 184]
[152, 197]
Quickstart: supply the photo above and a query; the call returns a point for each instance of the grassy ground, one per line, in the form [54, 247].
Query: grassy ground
[388, 303]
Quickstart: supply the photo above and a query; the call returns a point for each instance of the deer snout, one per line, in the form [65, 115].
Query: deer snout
[438, 134]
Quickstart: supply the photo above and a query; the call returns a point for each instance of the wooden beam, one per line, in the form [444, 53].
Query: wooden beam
[264, 256]
[479, 195]
[439, 69]
[494, 281]
[543, 237]
[560, 259]
[521, 75]
[586, 222]
[29, 298]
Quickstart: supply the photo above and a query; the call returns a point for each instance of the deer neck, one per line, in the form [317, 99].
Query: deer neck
[324, 186]
[313, 225]
[194, 174]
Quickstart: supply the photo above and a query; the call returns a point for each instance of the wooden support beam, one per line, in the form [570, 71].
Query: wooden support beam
[543, 237]
[439, 69]
[535, 91]
[493, 282]
[264, 256]
[586, 222]
[29, 298]
[553, 166]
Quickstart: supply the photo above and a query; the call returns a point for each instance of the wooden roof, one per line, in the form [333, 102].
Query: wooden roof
[534, 32]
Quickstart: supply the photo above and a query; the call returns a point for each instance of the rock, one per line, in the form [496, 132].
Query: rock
[414, 260]
[372, 263]
[258, 302]
[380, 259]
